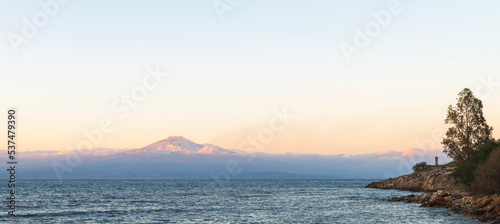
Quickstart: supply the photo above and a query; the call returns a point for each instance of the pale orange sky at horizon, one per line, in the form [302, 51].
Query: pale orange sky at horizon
[351, 137]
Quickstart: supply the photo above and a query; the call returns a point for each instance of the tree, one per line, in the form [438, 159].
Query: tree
[469, 131]
[419, 166]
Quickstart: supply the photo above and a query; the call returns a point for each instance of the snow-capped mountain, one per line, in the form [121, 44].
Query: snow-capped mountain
[181, 145]
[178, 158]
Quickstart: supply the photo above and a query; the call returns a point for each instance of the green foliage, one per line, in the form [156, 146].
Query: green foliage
[468, 142]
[464, 174]
[419, 166]
[486, 149]
[449, 165]
[487, 175]
[478, 174]
[469, 131]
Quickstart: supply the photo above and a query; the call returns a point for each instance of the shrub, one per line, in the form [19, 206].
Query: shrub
[488, 174]
[420, 166]
[464, 174]
[485, 150]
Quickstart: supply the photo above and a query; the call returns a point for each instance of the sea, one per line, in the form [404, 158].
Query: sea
[215, 201]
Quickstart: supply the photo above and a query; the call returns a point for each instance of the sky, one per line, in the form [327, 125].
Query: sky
[226, 72]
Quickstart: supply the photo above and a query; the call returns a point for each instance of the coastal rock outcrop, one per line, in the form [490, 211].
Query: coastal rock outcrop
[441, 194]
[438, 179]
[484, 207]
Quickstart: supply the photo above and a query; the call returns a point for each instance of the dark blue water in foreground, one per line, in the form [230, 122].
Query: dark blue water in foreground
[208, 201]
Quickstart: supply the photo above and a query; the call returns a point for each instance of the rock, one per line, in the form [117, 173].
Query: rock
[394, 199]
[476, 212]
[449, 199]
[456, 194]
[423, 198]
[433, 180]
[484, 207]
[438, 202]
[496, 212]
[481, 202]
[433, 196]
[442, 193]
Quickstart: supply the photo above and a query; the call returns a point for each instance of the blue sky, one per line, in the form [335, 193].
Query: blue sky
[227, 76]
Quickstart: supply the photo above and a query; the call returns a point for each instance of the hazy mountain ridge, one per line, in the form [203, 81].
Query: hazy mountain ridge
[179, 158]
[180, 144]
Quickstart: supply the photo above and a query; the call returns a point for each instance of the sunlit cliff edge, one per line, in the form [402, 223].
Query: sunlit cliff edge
[442, 193]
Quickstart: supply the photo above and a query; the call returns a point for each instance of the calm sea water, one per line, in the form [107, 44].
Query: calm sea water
[208, 201]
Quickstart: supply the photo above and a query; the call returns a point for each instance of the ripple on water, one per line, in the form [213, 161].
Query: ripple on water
[195, 201]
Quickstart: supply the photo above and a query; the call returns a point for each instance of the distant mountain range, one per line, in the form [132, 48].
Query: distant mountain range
[176, 145]
[179, 158]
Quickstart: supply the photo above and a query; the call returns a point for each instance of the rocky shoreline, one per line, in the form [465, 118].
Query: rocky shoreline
[485, 208]
[438, 179]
